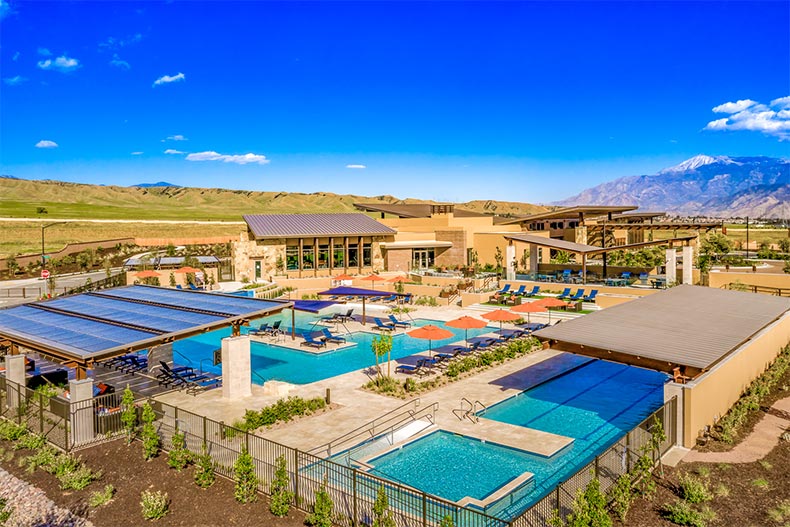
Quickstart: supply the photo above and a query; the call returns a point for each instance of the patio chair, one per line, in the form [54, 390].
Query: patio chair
[132, 364]
[566, 293]
[193, 287]
[310, 341]
[390, 299]
[399, 323]
[565, 276]
[504, 290]
[418, 369]
[194, 387]
[381, 326]
[260, 330]
[576, 296]
[274, 329]
[178, 286]
[520, 290]
[625, 275]
[177, 375]
[591, 296]
[329, 337]
[535, 291]
[408, 298]
[643, 278]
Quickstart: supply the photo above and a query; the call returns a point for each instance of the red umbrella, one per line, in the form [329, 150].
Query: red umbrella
[343, 277]
[501, 315]
[530, 307]
[373, 278]
[466, 323]
[148, 274]
[550, 301]
[430, 333]
[398, 279]
[187, 270]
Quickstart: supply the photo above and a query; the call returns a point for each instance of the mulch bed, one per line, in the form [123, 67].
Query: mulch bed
[747, 504]
[123, 467]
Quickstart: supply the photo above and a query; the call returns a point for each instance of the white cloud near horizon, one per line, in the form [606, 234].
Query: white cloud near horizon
[167, 79]
[356, 166]
[45, 143]
[62, 64]
[173, 151]
[14, 81]
[113, 43]
[177, 137]
[243, 159]
[772, 119]
[118, 63]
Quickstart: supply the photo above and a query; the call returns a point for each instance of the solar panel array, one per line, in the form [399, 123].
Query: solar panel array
[89, 323]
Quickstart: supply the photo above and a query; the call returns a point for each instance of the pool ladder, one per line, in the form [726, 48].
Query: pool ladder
[471, 412]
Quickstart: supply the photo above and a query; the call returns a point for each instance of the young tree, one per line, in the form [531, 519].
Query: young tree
[204, 469]
[151, 441]
[382, 345]
[715, 246]
[322, 509]
[128, 414]
[382, 516]
[179, 457]
[13, 265]
[246, 488]
[282, 497]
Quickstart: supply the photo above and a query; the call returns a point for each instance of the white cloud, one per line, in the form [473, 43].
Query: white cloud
[748, 115]
[15, 57]
[167, 79]
[114, 43]
[63, 64]
[45, 143]
[137, 153]
[44, 52]
[177, 137]
[118, 63]
[173, 151]
[5, 9]
[243, 159]
[14, 81]
[356, 166]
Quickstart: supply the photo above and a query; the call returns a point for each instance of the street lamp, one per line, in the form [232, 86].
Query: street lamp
[43, 259]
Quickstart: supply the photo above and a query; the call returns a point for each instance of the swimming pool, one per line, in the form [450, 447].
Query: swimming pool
[446, 461]
[301, 367]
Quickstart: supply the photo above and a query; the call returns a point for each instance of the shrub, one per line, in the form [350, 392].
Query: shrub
[43, 458]
[30, 442]
[11, 431]
[621, 496]
[281, 497]
[283, 410]
[154, 505]
[5, 512]
[151, 441]
[382, 516]
[322, 509]
[761, 483]
[179, 457]
[128, 414]
[204, 469]
[780, 513]
[246, 489]
[694, 490]
[682, 513]
[101, 497]
[79, 478]
[447, 521]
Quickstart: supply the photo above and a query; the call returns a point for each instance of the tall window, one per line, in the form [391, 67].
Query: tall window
[353, 255]
[292, 258]
[308, 257]
[323, 256]
[366, 255]
[339, 255]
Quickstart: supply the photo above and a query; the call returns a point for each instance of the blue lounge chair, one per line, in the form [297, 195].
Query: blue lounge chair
[408, 298]
[535, 291]
[504, 290]
[418, 369]
[260, 330]
[333, 318]
[381, 326]
[566, 275]
[192, 287]
[329, 337]
[520, 290]
[626, 275]
[577, 295]
[591, 296]
[310, 341]
[643, 278]
[399, 323]
[565, 294]
[274, 329]
[390, 299]
[178, 286]
[347, 316]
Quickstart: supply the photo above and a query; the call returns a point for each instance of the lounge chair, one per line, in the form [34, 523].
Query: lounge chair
[179, 370]
[335, 317]
[535, 291]
[504, 290]
[390, 299]
[310, 341]
[132, 364]
[408, 298]
[626, 275]
[381, 326]
[418, 369]
[193, 287]
[566, 293]
[399, 323]
[520, 290]
[194, 387]
[329, 337]
[260, 330]
[347, 317]
[178, 286]
[274, 329]
[576, 296]
[591, 296]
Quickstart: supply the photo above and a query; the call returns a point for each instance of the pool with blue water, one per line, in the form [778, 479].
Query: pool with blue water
[271, 362]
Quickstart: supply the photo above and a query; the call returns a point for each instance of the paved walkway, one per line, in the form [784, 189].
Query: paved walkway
[756, 446]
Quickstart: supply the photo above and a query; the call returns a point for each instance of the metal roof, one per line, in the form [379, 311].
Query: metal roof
[415, 210]
[100, 324]
[692, 326]
[315, 225]
[573, 212]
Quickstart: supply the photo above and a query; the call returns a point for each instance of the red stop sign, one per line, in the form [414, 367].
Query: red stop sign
[44, 274]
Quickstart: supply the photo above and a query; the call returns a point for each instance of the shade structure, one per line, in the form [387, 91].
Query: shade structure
[147, 274]
[501, 315]
[187, 270]
[430, 333]
[373, 278]
[355, 291]
[530, 307]
[466, 323]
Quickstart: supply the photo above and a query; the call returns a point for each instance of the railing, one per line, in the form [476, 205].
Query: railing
[466, 413]
[112, 281]
[776, 291]
[33, 292]
[41, 414]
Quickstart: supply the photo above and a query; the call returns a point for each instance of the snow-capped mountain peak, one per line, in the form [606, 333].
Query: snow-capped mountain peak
[696, 162]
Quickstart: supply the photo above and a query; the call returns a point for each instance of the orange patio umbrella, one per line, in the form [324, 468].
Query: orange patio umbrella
[430, 333]
[501, 315]
[373, 278]
[466, 323]
[148, 274]
[187, 270]
[550, 301]
[343, 277]
[530, 307]
[398, 278]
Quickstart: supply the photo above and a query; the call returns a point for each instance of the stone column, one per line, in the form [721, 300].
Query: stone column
[533, 258]
[672, 266]
[163, 352]
[83, 414]
[15, 372]
[236, 367]
[688, 264]
[510, 261]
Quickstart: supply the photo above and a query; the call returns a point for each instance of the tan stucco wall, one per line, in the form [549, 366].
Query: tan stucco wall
[164, 278]
[709, 397]
[722, 278]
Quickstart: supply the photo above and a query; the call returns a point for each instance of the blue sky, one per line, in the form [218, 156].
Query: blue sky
[520, 101]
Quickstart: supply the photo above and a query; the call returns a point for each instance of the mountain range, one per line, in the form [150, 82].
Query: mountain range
[714, 186]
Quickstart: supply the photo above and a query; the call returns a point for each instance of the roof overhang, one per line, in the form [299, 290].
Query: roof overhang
[572, 213]
[417, 244]
[589, 250]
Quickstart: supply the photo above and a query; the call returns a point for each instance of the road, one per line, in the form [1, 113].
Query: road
[15, 292]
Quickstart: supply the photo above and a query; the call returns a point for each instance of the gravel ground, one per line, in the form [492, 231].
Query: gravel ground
[32, 508]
